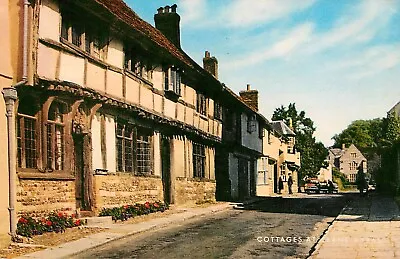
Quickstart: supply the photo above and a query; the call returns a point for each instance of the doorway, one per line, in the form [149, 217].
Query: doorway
[166, 169]
[243, 178]
[82, 175]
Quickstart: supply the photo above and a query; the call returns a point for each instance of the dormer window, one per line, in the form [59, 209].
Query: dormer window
[172, 80]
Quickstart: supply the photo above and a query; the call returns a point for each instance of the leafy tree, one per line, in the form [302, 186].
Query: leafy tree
[392, 128]
[313, 153]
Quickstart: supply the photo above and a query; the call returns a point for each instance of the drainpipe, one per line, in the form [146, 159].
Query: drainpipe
[10, 96]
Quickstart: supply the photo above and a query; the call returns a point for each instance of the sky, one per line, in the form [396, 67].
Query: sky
[338, 60]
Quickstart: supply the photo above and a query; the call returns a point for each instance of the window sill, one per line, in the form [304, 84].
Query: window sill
[135, 76]
[196, 179]
[204, 117]
[171, 95]
[57, 175]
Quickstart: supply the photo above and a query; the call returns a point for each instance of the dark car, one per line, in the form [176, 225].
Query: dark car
[311, 186]
[324, 187]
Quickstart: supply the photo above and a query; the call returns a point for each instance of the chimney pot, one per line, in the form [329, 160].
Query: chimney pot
[167, 22]
[173, 8]
[343, 146]
[207, 54]
[248, 87]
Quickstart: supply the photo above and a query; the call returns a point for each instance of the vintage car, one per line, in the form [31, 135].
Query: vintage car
[314, 186]
[311, 186]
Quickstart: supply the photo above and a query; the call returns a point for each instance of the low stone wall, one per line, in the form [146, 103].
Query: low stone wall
[194, 190]
[38, 197]
[122, 189]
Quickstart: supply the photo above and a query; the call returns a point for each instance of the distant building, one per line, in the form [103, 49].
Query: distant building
[348, 161]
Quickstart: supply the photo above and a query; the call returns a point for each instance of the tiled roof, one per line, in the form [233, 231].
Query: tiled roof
[124, 13]
[282, 128]
[336, 151]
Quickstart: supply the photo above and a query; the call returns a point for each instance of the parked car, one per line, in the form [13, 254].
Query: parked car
[314, 186]
[311, 186]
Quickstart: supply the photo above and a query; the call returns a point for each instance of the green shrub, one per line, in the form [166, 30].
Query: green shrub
[55, 222]
[128, 211]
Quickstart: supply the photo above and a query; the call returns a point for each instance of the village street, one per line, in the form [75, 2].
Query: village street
[271, 227]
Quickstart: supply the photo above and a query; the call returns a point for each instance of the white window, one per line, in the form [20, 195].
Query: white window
[262, 171]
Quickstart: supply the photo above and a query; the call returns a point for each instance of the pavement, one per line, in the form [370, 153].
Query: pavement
[117, 231]
[369, 227]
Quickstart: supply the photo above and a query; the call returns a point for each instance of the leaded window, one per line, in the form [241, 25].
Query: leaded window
[143, 153]
[27, 135]
[55, 137]
[201, 105]
[125, 144]
[199, 160]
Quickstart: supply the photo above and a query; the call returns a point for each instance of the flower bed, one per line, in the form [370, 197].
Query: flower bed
[55, 222]
[128, 211]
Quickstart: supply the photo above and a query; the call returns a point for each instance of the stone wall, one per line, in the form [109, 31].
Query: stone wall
[38, 197]
[194, 190]
[122, 189]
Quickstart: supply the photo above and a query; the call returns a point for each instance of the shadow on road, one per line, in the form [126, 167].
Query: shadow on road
[329, 205]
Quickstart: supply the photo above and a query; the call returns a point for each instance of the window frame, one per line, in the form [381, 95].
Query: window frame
[199, 159]
[201, 104]
[172, 80]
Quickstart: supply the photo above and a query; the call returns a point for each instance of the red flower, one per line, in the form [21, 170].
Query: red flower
[22, 220]
[156, 205]
[60, 215]
[126, 206]
[43, 220]
[73, 215]
[147, 205]
[49, 223]
[78, 222]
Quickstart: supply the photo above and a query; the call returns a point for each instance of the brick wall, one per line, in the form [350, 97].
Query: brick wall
[193, 190]
[39, 197]
[117, 190]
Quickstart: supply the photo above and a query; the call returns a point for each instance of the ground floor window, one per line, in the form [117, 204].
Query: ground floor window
[133, 149]
[262, 171]
[199, 160]
[143, 152]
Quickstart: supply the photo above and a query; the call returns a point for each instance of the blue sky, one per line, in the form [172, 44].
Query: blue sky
[338, 60]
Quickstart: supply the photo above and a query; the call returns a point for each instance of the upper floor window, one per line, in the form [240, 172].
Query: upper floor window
[353, 155]
[137, 64]
[217, 110]
[260, 130]
[84, 35]
[172, 80]
[201, 104]
[353, 165]
[251, 123]
[199, 160]
[290, 146]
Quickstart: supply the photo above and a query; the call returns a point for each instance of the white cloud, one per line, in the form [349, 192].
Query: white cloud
[238, 13]
[192, 10]
[242, 13]
[283, 48]
[371, 16]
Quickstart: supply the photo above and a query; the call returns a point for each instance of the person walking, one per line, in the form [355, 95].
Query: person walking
[290, 183]
[280, 185]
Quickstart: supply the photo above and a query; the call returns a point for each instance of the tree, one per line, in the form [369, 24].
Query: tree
[313, 153]
[363, 134]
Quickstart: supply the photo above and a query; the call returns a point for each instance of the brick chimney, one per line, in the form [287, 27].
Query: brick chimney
[167, 21]
[250, 97]
[210, 64]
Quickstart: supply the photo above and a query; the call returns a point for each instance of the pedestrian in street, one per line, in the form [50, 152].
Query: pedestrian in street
[290, 183]
[330, 186]
[280, 185]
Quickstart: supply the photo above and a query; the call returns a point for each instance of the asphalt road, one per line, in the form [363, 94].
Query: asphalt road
[270, 228]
